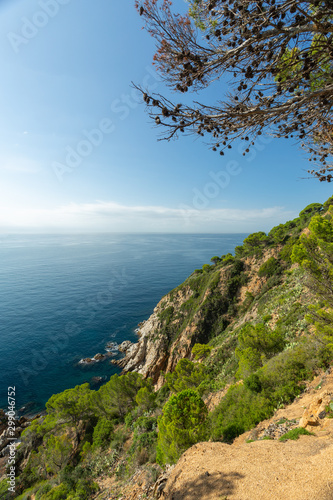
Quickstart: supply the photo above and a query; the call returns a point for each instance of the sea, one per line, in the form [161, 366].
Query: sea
[64, 298]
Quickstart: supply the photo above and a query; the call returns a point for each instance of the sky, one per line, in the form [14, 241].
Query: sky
[78, 152]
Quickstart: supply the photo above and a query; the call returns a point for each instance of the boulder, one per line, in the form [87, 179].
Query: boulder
[86, 361]
[124, 346]
[316, 411]
[99, 357]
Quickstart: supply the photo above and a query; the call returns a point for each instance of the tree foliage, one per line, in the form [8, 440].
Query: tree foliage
[186, 375]
[55, 451]
[256, 344]
[314, 253]
[72, 405]
[117, 397]
[201, 351]
[182, 424]
[277, 55]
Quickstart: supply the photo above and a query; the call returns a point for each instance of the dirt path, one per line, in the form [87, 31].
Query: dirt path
[263, 469]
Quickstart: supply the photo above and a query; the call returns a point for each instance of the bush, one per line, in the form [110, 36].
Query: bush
[253, 383]
[310, 210]
[187, 375]
[182, 424]
[117, 397]
[295, 434]
[145, 399]
[143, 448]
[255, 242]
[282, 375]
[270, 268]
[239, 411]
[227, 259]
[201, 351]
[257, 343]
[102, 432]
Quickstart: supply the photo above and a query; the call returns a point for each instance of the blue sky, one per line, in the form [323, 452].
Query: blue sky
[79, 154]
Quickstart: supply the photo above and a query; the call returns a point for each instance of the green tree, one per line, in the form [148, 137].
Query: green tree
[277, 57]
[255, 242]
[256, 344]
[55, 453]
[102, 432]
[117, 397]
[145, 399]
[215, 260]
[72, 405]
[182, 424]
[201, 351]
[186, 375]
[314, 253]
[270, 268]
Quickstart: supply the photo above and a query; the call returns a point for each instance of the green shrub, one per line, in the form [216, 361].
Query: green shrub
[227, 259]
[310, 210]
[239, 251]
[270, 268]
[257, 343]
[143, 448]
[239, 411]
[118, 438]
[328, 203]
[58, 492]
[254, 243]
[295, 434]
[187, 375]
[281, 377]
[4, 493]
[329, 410]
[182, 424]
[117, 397]
[253, 383]
[145, 399]
[102, 433]
[201, 351]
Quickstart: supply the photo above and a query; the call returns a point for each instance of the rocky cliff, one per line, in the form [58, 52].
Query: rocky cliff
[153, 354]
[194, 312]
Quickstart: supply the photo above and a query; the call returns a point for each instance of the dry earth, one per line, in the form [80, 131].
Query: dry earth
[264, 469]
[260, 470]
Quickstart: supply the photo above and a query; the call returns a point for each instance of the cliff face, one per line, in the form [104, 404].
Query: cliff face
[205, 301]
[153, 354]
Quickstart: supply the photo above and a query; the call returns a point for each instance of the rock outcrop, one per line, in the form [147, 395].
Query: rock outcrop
[153, 353]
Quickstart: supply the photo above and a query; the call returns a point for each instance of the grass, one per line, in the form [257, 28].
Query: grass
[329, 410]
[294, 434]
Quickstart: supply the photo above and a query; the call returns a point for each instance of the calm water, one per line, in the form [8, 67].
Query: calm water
[62, 298]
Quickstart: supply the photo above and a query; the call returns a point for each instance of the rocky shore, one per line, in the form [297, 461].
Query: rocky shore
[5, 435]
[111, 348]
[152, 354]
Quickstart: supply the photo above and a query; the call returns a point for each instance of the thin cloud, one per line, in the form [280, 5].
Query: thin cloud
[109, 216]
[21, 165]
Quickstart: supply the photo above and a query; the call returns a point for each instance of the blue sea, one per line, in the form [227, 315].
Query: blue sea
[64, 297]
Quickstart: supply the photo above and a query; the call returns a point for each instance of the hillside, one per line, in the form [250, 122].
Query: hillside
[264, 468]
[230, 351]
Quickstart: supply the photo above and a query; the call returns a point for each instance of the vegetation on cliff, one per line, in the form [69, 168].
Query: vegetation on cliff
[252, 327]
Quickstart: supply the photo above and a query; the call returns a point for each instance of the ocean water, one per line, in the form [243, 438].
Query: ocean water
[64, 297]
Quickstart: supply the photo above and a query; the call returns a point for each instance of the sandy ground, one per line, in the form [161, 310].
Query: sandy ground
[264, 469]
